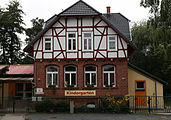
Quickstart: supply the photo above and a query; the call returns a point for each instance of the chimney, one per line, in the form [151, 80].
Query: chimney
[108, 9]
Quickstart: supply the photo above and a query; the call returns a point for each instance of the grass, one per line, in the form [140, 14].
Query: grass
[2, 114]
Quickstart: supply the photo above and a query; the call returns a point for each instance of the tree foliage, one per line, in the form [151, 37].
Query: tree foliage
[153, 41]
[11, 24]
[37, 26]
[31, 33]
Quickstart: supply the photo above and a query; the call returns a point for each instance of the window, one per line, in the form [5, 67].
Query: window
[52, 76]
[112, 42]
[109, 76]
[140, 85]
[48, 44]
[72, 43]
[87, 41]
[70, 76]
[90, 76]
[23, 90]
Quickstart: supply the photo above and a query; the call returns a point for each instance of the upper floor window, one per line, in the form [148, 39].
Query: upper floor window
[51, 76]
[72, 41]
[87, 41]
[48, 44]
[90, 76]
[70, 76]
[109, 76]
[112, 45]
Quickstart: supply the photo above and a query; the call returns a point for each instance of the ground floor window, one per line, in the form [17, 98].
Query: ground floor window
[90, 76]
[51, 76]
[108, 76]
[23, 90]
[70, 76]
[140, 85]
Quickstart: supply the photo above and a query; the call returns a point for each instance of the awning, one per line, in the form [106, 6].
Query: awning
[18, 78]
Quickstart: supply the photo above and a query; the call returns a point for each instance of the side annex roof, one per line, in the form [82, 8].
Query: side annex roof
[146, 73]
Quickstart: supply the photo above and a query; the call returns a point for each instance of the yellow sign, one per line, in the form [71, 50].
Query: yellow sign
[80, 93]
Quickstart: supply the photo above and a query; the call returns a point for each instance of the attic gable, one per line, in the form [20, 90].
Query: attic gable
[80, 8]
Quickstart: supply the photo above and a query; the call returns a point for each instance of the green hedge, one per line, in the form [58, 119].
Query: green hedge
[62, 106]
[44, 106]
[48, 105]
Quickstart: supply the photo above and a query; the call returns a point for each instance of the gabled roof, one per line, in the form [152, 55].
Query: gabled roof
[146, 73]
[19, 69]
[80, 8]
[120, 22]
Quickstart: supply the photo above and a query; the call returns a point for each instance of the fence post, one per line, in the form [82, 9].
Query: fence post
[135, 103]
[149, 101]
[71, 107]
[13, 104]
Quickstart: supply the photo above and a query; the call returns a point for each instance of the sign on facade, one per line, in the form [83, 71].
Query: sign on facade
[80, 93]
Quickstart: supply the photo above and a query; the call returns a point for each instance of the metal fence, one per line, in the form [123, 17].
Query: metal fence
[150, 104]
[147, 104]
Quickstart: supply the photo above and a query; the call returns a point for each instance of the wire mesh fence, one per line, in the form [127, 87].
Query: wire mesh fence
[147, 104]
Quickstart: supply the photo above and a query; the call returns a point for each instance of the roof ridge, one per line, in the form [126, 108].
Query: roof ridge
[60, 14]
[119, 14]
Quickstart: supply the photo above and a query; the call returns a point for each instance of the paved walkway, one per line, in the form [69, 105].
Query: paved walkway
[97, 117]
[13, 117]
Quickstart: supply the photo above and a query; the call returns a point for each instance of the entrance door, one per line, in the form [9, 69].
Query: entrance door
[11, 86]
[140, 93]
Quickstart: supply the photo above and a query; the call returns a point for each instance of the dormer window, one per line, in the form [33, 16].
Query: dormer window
[112, 42]
[72, 41]
[48, 44]
[87, 41]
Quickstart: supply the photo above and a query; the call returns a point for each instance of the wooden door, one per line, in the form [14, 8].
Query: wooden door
[140, 93]
[11, 86]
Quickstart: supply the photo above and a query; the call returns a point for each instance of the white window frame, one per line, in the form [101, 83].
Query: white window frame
[70, 72]
[72, 41]
[90, 75]
[108, 73]
[112, 40]
[52, 73]
[140, 88]
[87, 38]
[44, 42]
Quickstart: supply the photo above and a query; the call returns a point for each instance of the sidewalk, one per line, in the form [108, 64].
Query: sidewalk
[13, 117]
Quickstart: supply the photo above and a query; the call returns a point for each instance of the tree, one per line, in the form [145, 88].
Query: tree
[11, 25]
[153, 41]
[37, 26]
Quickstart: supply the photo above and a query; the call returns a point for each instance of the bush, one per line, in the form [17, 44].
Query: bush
[85, 109]
[44, 106]
[80, 109]
[62, 106]
[114, 104]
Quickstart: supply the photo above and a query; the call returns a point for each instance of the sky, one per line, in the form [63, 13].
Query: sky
[46, 8]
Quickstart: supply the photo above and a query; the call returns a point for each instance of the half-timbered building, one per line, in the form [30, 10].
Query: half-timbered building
[82, 49]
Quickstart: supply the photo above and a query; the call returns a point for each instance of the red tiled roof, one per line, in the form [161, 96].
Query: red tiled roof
[19, 69]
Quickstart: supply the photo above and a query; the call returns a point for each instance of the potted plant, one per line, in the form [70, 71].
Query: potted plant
[53, 88]
[90, 86]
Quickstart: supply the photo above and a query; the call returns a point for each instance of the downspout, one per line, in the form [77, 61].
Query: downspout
[34, 83]
[155, 93]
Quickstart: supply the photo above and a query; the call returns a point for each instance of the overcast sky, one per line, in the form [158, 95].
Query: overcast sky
[47, 8]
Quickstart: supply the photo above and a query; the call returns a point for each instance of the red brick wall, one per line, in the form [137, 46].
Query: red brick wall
[121, 68]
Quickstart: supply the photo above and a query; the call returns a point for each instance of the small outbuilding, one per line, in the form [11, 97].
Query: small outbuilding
[16, 80]
[143, 85]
